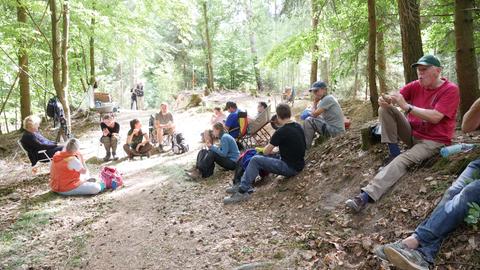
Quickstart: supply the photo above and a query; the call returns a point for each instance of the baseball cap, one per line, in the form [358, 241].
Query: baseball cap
[230, 104]
[317, 85]
[427, 60]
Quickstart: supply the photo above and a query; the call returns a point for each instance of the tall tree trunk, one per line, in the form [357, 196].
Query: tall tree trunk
[372, 38]
[467, 72]
[382, 62]
[324, 69]
[210, 83]
[24, 83]
[412, 50]
[253, 45]
[92, 52]
[356, 82]
[315, 49]
[60, 55]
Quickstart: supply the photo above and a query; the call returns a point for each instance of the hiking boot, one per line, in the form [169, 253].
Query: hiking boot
[406, 258]
[107, 157]
[160, 148]
[194, 175]
[380, 250]
[233, 189]
[356, 204]
[236, 198]
[114, 155]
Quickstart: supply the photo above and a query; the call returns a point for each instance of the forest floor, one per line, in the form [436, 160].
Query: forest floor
[161, 220]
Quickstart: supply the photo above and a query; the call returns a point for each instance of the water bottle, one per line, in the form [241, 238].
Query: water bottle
[456, 148]
[114, 185]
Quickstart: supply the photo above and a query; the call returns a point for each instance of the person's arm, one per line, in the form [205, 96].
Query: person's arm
[116, 130]
[75, 164]
[430, 115]
[224, 147]
[129, 138]
[471, 119]
[268, 150]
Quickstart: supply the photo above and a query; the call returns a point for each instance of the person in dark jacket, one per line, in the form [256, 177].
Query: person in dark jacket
[33, 141]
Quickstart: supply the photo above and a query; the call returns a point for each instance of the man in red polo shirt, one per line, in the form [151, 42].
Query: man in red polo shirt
[430, 104]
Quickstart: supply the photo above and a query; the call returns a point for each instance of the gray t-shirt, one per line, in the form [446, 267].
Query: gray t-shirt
[333, 114]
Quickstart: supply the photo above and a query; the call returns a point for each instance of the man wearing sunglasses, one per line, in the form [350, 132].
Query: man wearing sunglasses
[430, 106]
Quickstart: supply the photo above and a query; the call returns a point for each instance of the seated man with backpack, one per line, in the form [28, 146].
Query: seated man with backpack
[109, 139]
[164, 124]
[33, 141]
[225, 155]
[290, 140]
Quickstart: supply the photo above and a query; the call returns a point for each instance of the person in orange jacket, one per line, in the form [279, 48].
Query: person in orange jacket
[69, 174]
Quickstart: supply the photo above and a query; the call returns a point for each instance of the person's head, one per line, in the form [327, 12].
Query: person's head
[318, 89]
[217, 111]
[428, 69]
[230, 106]
[261, 107]
[31, 123]
[135, 124]
[218, 130]
[72, 146]
[164, 107]
[283, 113]
[108, 120]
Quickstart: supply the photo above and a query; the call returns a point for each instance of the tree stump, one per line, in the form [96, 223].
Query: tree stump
[368, 139]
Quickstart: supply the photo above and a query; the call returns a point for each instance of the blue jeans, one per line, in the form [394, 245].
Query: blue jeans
[450, 211]
[271, 164]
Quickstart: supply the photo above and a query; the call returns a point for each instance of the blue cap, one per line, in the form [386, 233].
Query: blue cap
[317, 85]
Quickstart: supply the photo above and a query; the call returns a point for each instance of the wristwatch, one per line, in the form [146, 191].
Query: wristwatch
[410, 108]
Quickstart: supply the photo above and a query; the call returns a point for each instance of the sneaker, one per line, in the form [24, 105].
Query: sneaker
[233, 189]
[356, 204]
[107, 157]
[405, 258]
[380, 250]
[114, 156]
[160, 148]
[236, 198]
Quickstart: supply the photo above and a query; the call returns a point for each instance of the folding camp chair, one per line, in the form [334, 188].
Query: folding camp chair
[257, 133]
[46, 158]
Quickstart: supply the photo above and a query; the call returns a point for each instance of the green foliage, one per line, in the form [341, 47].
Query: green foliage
[473, 215]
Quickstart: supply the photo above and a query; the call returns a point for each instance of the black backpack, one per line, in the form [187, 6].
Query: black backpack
[205, 163]
[179, 145]
[54, 108]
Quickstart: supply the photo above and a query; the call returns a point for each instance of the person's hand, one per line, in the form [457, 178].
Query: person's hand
[385, 101]
[209, 144]
[83, 170]
[115, 135]
[400, 101]
[135, 131]
[105, 132]
[138, 147]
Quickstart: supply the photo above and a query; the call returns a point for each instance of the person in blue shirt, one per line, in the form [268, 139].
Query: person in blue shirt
[231, 124]
[225, 155]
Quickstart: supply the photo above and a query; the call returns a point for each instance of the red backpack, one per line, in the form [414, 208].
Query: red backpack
[111, 177]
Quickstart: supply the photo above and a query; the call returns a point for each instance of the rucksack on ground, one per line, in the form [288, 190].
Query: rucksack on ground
[205, 163]
[179, 144]
[111, 177]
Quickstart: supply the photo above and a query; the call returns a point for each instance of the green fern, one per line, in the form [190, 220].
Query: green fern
[473, 215]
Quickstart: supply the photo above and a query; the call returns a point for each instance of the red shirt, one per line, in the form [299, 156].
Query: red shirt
[444, 99]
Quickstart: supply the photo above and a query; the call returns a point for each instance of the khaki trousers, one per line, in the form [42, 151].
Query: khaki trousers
[394, 126]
